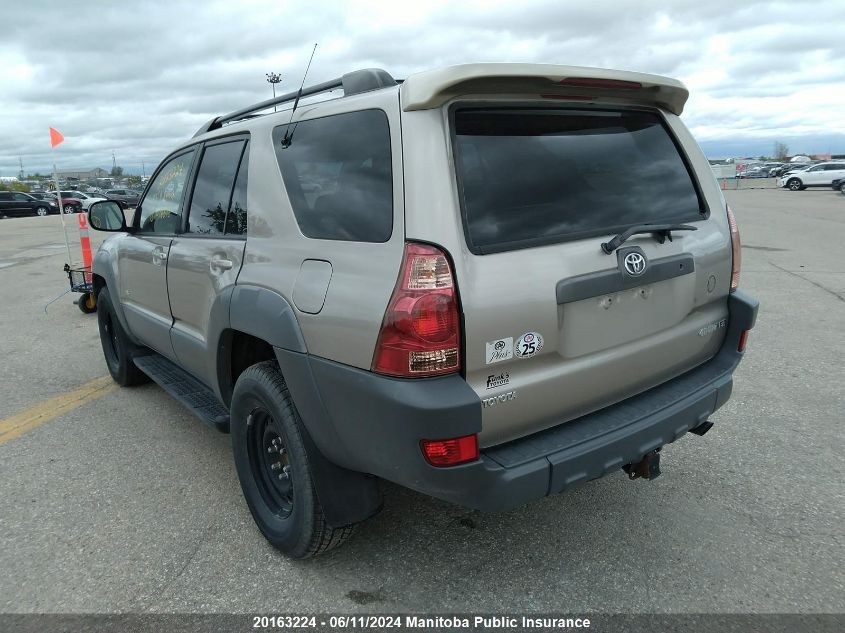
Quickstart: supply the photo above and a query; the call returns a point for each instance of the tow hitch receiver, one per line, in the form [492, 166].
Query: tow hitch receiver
[647, 468]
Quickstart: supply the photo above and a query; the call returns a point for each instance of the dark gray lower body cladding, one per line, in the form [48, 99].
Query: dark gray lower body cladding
[374, 424]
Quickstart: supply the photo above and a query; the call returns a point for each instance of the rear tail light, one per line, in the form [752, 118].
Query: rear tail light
[420, 334]
[736, 250]
[451, 452]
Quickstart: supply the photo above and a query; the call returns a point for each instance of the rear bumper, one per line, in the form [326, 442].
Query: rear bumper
[374, 424]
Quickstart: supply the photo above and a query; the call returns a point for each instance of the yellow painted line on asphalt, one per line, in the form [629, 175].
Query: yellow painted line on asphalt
[46, 410]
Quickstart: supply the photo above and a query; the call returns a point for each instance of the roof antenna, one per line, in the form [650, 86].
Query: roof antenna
[288, 138]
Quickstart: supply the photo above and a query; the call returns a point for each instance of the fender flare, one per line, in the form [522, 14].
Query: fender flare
[267, 315]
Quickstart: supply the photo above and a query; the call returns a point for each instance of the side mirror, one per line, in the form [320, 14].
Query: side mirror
[106, 215]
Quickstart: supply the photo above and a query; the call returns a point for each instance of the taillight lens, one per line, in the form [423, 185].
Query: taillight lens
[420, 334]
[451, 452]
[736, 250]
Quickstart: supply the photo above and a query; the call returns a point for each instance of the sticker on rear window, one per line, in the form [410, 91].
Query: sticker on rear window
[497, 351]
[528, 345]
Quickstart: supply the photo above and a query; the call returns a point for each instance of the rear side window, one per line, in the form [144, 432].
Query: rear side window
[530, 177]
[337, 172]
[213, 188]
[236, 219]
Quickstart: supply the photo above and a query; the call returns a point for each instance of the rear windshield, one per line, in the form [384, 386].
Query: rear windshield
[532, 177]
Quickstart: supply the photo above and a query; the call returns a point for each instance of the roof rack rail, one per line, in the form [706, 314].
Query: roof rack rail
[352, 83]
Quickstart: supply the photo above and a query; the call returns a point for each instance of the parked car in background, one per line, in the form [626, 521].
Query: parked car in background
[85, 198]
[819, 175]
[754, 172]
[125, 197]
[69, 204]
[15, 203]
[40, 195]
[788, 167]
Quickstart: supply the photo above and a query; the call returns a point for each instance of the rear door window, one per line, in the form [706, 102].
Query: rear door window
[529, 177]
[213, 188]
[338, 175]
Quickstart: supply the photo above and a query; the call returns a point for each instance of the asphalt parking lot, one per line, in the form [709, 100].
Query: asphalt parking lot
[127, 503]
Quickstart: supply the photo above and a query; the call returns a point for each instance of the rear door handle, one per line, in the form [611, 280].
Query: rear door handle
[219, 263]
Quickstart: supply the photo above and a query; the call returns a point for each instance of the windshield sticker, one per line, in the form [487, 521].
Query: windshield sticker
[500, 350]
[528, 345]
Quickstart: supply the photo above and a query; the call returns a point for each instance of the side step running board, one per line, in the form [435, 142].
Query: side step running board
[186, 389]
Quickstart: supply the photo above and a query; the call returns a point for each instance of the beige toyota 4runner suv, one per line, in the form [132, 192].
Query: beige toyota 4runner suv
[488, 283]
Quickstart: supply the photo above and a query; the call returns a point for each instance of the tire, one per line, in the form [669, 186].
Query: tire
[842, 188]
[273, 466]
[118, 350]
[87, 303]
[42, 211]
[794, 184]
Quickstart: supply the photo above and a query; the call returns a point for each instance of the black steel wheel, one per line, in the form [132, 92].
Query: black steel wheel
[269, 460]
[274, 466]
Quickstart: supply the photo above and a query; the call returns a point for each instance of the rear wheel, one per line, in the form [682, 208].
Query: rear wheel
[42, 211]
[274, 468]
[842, 187]
[794, 184]
[118, 350]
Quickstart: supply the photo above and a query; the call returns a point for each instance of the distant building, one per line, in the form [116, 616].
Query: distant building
[83, 174]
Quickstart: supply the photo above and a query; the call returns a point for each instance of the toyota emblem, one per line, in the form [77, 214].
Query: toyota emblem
[634, 264]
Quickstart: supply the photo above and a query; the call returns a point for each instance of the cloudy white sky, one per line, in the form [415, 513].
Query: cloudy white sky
[138, 77]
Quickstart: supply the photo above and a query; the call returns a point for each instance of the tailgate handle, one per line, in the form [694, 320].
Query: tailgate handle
[605, 282]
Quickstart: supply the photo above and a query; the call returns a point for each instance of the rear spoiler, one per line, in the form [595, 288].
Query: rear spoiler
[433, 88]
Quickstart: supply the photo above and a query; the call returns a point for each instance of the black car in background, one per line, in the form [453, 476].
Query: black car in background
[839, 184]
[124, 197]
[15, 203]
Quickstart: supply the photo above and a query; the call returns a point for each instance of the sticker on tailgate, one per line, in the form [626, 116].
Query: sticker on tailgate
[497, 351]
[528, 345]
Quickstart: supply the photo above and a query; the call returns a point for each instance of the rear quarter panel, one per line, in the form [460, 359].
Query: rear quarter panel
[363, 274]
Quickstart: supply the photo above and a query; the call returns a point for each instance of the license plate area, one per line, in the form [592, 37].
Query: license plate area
[616, 318]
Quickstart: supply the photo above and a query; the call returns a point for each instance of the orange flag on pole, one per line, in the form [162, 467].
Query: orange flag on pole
[56, 137]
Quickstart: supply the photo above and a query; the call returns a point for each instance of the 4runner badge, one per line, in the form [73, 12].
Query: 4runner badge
[528, 345]
[497, 351]
[709, 329]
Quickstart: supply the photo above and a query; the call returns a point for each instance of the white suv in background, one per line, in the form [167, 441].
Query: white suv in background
[819, 175]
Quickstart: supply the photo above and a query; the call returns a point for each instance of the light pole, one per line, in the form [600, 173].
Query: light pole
[273, 79]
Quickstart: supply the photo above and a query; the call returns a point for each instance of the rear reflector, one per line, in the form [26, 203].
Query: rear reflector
[743, 339]
[594, 82]
[736, 250]
[457, 450]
